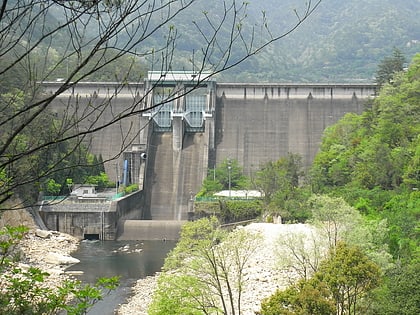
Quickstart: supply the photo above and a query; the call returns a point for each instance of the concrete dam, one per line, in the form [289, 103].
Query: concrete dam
[169, 148]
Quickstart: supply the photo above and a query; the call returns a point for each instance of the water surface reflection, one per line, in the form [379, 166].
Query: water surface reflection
[130, 260]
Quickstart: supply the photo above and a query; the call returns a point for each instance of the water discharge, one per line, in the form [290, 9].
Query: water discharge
[131, 260]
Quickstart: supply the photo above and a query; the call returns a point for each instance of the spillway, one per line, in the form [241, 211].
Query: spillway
[173, 176]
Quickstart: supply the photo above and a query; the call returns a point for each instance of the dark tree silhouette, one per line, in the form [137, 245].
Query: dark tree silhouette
[389, 66]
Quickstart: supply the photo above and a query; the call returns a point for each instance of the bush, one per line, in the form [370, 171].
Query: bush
[240, 210]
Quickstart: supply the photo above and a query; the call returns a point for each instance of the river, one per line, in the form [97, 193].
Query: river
[130, 260]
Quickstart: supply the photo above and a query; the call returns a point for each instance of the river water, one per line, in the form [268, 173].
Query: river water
[130, 260]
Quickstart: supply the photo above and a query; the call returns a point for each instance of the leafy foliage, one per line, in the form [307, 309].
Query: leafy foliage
[282, 175]
[335, 217]
[399, 293]
[279, 182]
[349, 275]
[9, 239]
[389, 67]
[371, 160]
[204, 274]
[306, 297]
[338, 287]
[239, 210]
[227, 174]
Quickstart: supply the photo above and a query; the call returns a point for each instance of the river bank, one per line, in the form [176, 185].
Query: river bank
[47, 250]
[263, 275]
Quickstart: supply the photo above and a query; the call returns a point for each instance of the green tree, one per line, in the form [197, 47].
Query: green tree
[389, 66]
[101, 180]
[307, 297]
[340, 286]
[182, 294]
[371, 161]
[279, 182]
[52, 188]
[399, 293]
[335, 218]
[228, 174]
[403, 212]
[211, 264]
[350, 276]
[339, 222]
[282, 175]
[239, 210]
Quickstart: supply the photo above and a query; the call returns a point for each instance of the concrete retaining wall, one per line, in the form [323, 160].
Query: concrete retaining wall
[80, 220]
[150, 230]
[97, 220]
[129, 207]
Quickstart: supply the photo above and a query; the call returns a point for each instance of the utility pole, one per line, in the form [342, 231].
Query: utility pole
[229, 176]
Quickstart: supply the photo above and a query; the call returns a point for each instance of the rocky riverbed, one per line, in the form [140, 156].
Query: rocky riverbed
[47, 250]
[263, 274]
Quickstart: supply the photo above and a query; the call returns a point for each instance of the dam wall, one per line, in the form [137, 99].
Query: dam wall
[251, 123]
[256, 123]
[135, 230]
[97, 104]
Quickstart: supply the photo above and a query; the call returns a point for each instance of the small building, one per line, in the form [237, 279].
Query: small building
[84, 190]
[242, 194]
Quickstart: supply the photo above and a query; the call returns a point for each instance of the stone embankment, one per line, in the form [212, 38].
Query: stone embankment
[263, 275]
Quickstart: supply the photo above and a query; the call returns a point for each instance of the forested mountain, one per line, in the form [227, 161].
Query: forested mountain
[342, 41]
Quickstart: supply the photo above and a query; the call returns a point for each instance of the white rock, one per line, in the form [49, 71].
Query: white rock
[74, 272]
[43, 233]
[55, 271]
[60, 259]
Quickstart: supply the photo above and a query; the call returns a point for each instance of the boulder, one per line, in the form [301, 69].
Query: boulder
[60, 259]
[43, 233]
